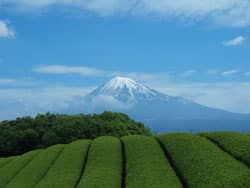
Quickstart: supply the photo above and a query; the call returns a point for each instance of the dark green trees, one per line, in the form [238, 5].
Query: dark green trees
[24, 134]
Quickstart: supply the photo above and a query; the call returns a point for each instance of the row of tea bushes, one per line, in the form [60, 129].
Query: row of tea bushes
[173, 160]
[9, 171]
[32, 173]
[146, 164]
[66, 170]
[203, 164]
[104, 164]
[235, 143]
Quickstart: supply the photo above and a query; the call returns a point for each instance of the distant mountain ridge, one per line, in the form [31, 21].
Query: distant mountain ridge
[157, 109]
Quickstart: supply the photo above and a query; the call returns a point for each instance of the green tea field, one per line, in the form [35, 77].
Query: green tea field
[174, 160]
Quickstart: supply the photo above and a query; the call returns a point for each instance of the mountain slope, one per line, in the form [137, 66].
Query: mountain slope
[129, 94]
[155, 108]
[126, 90]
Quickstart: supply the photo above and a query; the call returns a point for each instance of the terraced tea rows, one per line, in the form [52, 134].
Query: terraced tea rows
[5, 161]
[202, 164]
[36, 169]
[66, 170]
[104, 164]
[9, 171]
[166, 161]
[146, 164]
[234, 143]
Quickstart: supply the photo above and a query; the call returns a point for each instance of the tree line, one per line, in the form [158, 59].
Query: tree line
[27, 133]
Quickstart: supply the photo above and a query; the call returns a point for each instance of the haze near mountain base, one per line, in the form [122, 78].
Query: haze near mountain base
[160, 111]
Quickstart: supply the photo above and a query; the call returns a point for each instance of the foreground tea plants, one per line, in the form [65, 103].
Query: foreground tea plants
[202, 164]
[5, 161]
[30, 175]
[104, 164]
[177, 160]
[146, 164]
[66, 170]
[9, 171]
[234, 143]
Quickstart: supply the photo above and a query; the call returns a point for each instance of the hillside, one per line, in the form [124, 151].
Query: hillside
[28, 133]
[176, 160]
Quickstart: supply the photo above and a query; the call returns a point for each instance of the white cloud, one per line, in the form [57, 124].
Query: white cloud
[188, 73]
[226, 12]
[102, 7]
[235, 41]
[7, 81]
[89, 71]
[18, 82]
[61, 69]
[30, 101]
[230, 96]
[247, 73]
[109, 103]
[5, 30]
[229, 72]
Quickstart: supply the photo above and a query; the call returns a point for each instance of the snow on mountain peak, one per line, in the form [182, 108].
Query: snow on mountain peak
[120, 82]
[123, 82]
[121, 93]
[125, 89]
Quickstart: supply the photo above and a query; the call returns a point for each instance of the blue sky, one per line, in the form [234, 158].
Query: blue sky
[52, 51]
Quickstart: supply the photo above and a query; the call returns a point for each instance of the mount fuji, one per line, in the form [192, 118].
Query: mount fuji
[160, 111]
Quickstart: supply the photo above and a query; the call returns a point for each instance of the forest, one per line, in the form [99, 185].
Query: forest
[27, 133]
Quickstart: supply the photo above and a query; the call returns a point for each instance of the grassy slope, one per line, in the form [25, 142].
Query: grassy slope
[146, 164]
[203, 164]
[9, 171]
[31, 174]
[5, 161]
[234, 143]
[199, 162]
[104, 164]
[66, 170]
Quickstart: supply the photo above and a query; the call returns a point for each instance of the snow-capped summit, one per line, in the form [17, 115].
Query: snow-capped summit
[161, 111]
[125, 89]
[123, 82]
